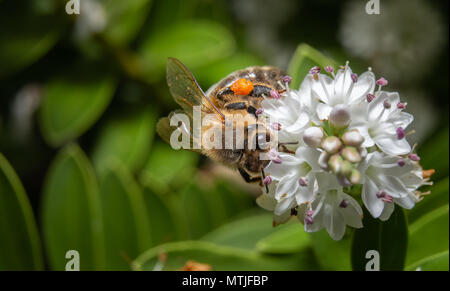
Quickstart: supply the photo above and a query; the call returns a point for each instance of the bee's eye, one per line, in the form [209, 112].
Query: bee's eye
[242, 87]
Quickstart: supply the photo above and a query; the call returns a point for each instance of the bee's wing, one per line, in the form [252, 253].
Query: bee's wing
[165, 130]
[185, 89]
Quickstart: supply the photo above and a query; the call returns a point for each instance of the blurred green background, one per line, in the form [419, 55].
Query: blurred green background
[81, 167]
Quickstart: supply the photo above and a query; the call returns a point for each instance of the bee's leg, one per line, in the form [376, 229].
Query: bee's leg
[284, 149]
[236, 106]
[247, 177]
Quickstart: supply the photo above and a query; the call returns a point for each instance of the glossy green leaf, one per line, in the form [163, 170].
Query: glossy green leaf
[332, 255]
[163, 223]
[290, 239]
[220, 258]
[20, 246]
[429, 235]
[304, 58]
[125, 18]
[127, 139]
[168, 169]
[22, 41]
[73, 103]
[195, 43]
[438, 197]
[125, 218]
[434, 154]
[437, 262]
[389, 238]
[242, 233]
[71, 211]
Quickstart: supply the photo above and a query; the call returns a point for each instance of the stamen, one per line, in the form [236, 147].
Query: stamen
[400, 133]
[314, 70]
[303, 182]
[381, 194]
[274, 94]
[427, 173]
[354, 77]
[401, 105]
[388, 198]
[414, 157]
[286, 79]
[401, 162]
[308, 217]
[386, 104]
[267, 180]
[259, 111]
[370, 97]
[276, 126]
[343, 204]
[381, 82]
[412, 131]
[329, 69]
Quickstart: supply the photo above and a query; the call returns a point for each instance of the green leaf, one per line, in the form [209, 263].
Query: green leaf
[168, 169]
[73, 103]
[71, 211]
[220, 258]
[304, 58]
[332, 255]
[125, 18]
[428, 235]
[437, 262]
[434, 154]
[22, 41]
[242, 233]
[289, 239]
[125, 218]
[127, 139]
[20, 246]
[437, 198]
[389, 238]
[163, 223]
[195, 43]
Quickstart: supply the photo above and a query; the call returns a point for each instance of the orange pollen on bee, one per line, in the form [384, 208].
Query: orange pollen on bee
[242, 87]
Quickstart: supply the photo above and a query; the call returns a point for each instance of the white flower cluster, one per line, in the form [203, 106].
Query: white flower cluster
[341, 132]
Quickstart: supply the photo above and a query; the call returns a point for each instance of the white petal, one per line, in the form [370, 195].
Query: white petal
[407, 202]
[287, 185]
[284, 205]
[393, 145]
[322, 88]
[323, 111]
[364, 85]
[370, 199]
[342, 84]
[393, 186]
[387, 211]
[266, 202]
[353, 212]
[334, 222]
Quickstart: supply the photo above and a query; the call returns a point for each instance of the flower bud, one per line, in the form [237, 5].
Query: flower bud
[313, 136]
[323, 160]
[347, 168]
[340, 116]
[362, 152]
[355, 177]
[352, 138]
[351, 154]
[331, 144]
[336, 163]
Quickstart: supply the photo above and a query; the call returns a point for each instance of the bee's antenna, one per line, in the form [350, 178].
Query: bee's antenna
[263, 177]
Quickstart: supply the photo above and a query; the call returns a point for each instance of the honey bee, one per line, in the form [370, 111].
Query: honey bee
[238, 94]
